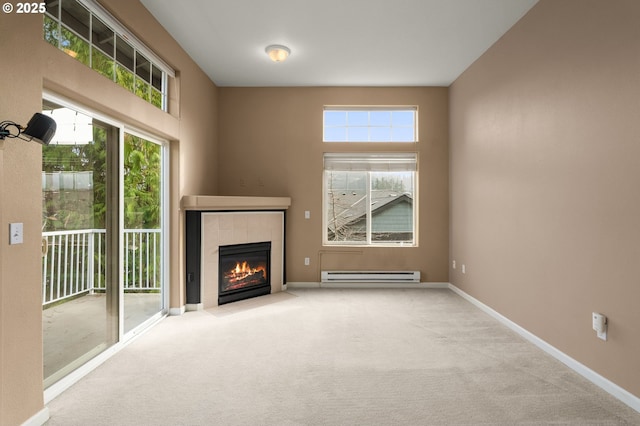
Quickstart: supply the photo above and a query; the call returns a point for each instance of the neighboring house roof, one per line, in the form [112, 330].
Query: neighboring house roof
[350, 206]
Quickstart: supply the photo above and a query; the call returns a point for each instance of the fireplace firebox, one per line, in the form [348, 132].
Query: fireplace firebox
[244, 271]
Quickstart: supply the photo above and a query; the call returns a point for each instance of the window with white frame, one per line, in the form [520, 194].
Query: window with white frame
[370, 124]
[85, 31]
[370, 199]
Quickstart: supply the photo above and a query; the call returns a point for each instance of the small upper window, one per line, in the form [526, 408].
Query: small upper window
[85, 31]
[370, 124]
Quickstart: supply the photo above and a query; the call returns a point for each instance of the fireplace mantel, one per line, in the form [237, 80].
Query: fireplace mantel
[233, 203]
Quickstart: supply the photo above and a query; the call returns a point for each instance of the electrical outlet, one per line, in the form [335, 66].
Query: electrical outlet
[464, 269]
[307, 261]
[599, 323]
[307, 214]
[454, 264]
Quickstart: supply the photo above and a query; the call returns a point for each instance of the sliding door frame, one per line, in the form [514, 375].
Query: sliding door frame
[165, 223]
[116, 193]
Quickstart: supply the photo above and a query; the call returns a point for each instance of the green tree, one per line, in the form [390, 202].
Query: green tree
[76, 47]
[68, 205]
[72, 208]
[392, 184]
[141, 183]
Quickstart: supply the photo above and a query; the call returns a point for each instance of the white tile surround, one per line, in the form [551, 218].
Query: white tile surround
[238, 220]
[225, 228]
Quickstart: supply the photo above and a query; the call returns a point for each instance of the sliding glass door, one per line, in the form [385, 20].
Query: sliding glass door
[142, 235]
[103, 237]
[79, 275]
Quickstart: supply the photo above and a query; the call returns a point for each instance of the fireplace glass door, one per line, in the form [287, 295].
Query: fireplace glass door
[244, 271]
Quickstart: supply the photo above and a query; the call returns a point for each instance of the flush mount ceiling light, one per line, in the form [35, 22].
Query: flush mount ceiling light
[277, 52]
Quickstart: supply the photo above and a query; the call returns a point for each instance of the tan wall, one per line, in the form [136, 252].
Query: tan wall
[271, 145]
[544, 179]
[20, 292]
[30, 65]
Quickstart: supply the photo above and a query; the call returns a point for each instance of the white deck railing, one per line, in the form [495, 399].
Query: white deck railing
[74, 262]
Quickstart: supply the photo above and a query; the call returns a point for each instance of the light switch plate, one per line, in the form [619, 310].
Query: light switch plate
[16, 233]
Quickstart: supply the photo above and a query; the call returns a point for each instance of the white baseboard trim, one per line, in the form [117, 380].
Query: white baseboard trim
[623, 395]
[190, 307]
[295, 285]
[176, 312]
[39, 418]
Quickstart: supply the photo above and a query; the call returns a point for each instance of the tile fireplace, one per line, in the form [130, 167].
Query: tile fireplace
[219, 230]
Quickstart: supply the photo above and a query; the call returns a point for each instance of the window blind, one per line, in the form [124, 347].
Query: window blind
[379, 162]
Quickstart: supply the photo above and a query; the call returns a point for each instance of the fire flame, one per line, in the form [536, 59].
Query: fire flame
[243, 270]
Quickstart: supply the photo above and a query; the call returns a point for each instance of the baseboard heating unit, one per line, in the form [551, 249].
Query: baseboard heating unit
[370, 276]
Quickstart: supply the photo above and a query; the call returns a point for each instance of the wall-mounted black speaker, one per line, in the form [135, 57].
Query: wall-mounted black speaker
[40, 128]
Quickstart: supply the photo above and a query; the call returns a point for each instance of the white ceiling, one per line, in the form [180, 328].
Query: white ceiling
[337, 42]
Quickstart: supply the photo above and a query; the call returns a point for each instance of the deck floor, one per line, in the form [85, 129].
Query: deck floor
[82, 328]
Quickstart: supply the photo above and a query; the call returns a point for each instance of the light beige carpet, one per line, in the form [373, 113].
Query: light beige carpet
[336, 357]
